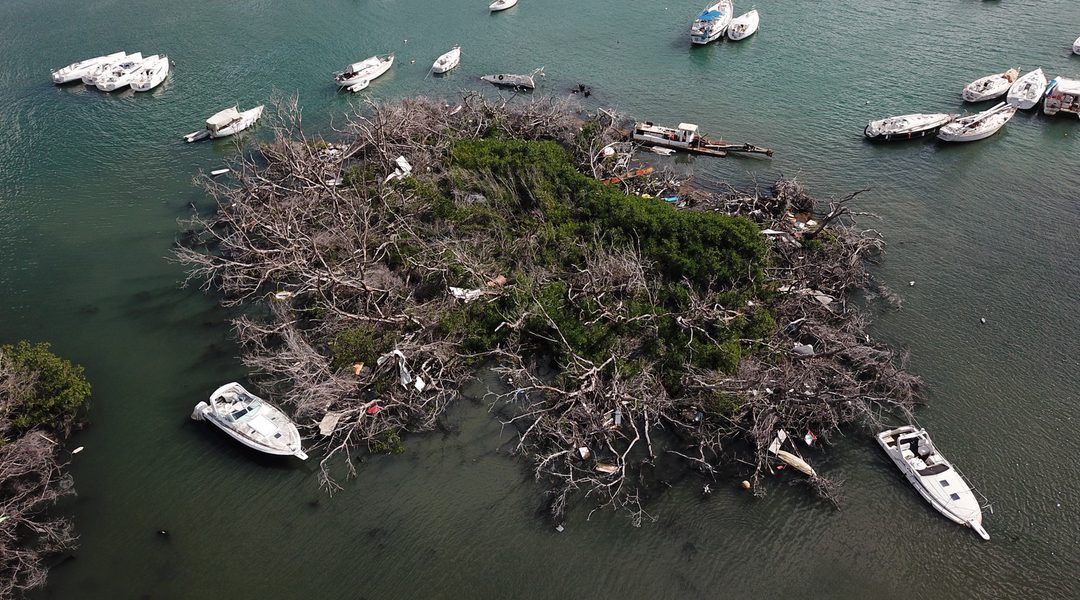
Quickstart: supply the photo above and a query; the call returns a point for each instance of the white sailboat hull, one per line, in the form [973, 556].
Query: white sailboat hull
[364, 71]
[498, 5]
[1026, 91]
[149, 77]
[121, 76]
[743, 26]
[447, 61]
[75, 71]
[247, 119]
[979, 126]
[710, 27]
[90, 77]
[987, 88]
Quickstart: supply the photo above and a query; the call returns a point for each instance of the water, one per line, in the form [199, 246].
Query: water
[92, 185]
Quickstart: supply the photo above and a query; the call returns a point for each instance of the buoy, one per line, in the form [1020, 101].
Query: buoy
[162, 532]
[983, 320]
[911, 283]
[745, 484]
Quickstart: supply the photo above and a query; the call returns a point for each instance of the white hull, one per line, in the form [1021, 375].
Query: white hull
[743, 26]
[75, 71]
[498, 5]
[510, 80]
[120, 76]
[364, 71]
[101, 70]
[989, 87]
[247, 119]
[1076, 46]
[151, 75]
[712, 23]
[447, 61]
[251, 421]
[907, 126]
[936, 480]
[1026, 92]
[979, 126]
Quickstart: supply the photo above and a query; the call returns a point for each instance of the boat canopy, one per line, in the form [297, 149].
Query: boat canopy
[688, 127]
[1065, 86]
[223, 119]
[710, 15]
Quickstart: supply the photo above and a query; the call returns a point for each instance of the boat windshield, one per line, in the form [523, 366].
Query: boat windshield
[244, 406]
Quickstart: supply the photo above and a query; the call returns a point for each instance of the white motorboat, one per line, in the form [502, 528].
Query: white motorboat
[990, 87]
[225, 123]
[91, 76]
[1062, 95]
[75, 71]
[907, 127]
[711, 23]
[1026, 91]
[251, 420]
[743, 26]
[120, 76]
[498, 5]
[447, 61]
[934, 477]
[978, 126]
[151, 74]
[523, 82]
[364, 71]
[1076, 46]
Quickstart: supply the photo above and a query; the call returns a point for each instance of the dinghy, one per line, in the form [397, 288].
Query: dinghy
[251, 421]
[711, 23]
[225, 123]
[990, 87]
[907, 127]
[743, 26]
[934, 478]
[120, 76]
[524, 82]
[151, 74]
[364, 71]
[447, 61]
[75, 71]
[979, 126]
[498, 5]
[102, 70]
[1026, 91]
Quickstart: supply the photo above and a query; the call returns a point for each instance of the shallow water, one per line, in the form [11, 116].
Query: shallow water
[92, 185]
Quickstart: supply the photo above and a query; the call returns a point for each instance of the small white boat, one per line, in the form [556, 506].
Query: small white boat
[1026, 91]
[120, 76]
[447, 61]
[1062, 95]
[1076, 46]
[498, 5]
[990, 87]
[743, 26]
[524, 82]
[978, 126]
[151, 74]
[251, 421]
[364, 71]
[934, 477]
[711, 23]
[102, 70]
[907, 127]
[225, 123]
[75, 71]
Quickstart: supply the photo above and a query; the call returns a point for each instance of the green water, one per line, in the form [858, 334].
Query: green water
[92, 185]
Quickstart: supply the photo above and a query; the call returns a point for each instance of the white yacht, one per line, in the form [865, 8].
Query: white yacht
[711, 23]
[447, 61]
[227, 122]
[151, 74]
[120, 76]
[251, 421]
[358, 75]
[76, 70]
[933, 476]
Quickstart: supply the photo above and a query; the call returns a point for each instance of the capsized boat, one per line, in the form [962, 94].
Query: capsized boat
[685, 137]
[907, 127]
[447, 61]
[1026, 91]
[1062, 95]
[711, 23]
[990, 87]
[498, 5]
[120, 76]
[933, 476]
[91, 76]
[151, 74]
[364, 71]
[225, 123]
[250, 420]
[76, 70]
[743, 26]
[978, 126]
[524, 82]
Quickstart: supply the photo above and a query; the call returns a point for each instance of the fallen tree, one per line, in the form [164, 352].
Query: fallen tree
[626, 329]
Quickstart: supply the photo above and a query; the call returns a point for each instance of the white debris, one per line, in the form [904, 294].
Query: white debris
[420, 384]
[466, 295]
[329, 423]
[77, 450]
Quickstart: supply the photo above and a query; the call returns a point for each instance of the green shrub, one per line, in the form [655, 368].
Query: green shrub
[58, 390]
[363, 342]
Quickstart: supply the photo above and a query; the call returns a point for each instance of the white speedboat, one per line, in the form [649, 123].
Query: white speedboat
[907, 127]
[364, 71]
[120, 76]
[151, 74]
[225, 123]
[933, 476]
[711, 23]
[743, 26]
[990, 87]
[978, 126]
[251, 421]
[498, 5]
[447, 61]
[75, 71]
[91, 76]
[1026, 91]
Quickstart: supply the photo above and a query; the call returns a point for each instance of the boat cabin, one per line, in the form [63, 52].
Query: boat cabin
[1063, 95]
[223, 119]
[682, 136]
